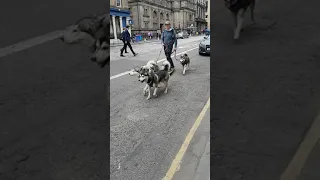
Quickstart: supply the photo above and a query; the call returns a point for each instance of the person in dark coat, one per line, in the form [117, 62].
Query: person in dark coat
[127, 39]
[124, 42]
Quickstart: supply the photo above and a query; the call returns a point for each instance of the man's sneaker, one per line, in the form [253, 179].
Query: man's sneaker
[122, 55]
[135, 54]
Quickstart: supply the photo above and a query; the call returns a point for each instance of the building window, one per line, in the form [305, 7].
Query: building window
[118, 3]
[145, 11]
[154, 14]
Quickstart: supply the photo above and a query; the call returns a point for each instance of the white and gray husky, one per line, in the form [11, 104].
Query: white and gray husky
[153, 75]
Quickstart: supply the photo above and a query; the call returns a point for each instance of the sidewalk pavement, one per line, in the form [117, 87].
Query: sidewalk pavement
[311, 169]
[195, 164]
[203, 169]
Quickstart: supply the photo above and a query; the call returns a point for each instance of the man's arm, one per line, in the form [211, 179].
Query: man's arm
[162, 38]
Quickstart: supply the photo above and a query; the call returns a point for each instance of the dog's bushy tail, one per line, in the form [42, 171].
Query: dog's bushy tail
[166, 65]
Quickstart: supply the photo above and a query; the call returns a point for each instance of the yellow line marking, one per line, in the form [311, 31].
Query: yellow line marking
[297, 163]
[176, 162]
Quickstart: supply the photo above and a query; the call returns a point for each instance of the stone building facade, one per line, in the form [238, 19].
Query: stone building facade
[208, 14]
[201, 9]
[119, 17]
[150, 15]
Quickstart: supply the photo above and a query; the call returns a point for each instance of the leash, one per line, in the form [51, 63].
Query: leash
[159, 55]
[175, 55]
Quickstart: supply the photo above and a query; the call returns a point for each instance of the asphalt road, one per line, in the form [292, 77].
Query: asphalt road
[146, 135]
[21, 20]
[264, 90]
[53, 106]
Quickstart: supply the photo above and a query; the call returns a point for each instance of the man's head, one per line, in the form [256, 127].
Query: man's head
[167, 24]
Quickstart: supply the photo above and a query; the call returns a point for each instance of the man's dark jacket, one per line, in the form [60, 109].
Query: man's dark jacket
[126, 35]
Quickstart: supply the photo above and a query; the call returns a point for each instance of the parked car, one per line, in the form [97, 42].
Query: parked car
[182, 35]
[204, 46]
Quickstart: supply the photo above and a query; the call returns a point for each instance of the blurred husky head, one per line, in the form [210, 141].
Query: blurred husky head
[91, 32]
[86, 31]
[102, 54]
[74, 35]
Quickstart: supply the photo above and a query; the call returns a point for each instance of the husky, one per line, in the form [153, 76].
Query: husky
[91, 32]
[102, 54]
[153, 78]
[86, 31]
[238, 9]
[185, 62]
[150, 65]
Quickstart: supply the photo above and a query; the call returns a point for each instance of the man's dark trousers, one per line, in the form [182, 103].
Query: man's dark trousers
[127, 43]
[168, 51]
[124, 43]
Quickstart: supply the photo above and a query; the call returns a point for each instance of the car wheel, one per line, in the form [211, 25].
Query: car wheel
[200, 53]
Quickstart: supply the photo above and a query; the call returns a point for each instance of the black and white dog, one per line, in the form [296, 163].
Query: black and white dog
[93, 33]
[150, 65]
[185, 62]
[238, 9]
[153, 76]
[102, 54]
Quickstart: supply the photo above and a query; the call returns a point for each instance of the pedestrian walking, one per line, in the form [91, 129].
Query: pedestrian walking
[169, 43]
[149, 35]
[127, 39]
[122, 39]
